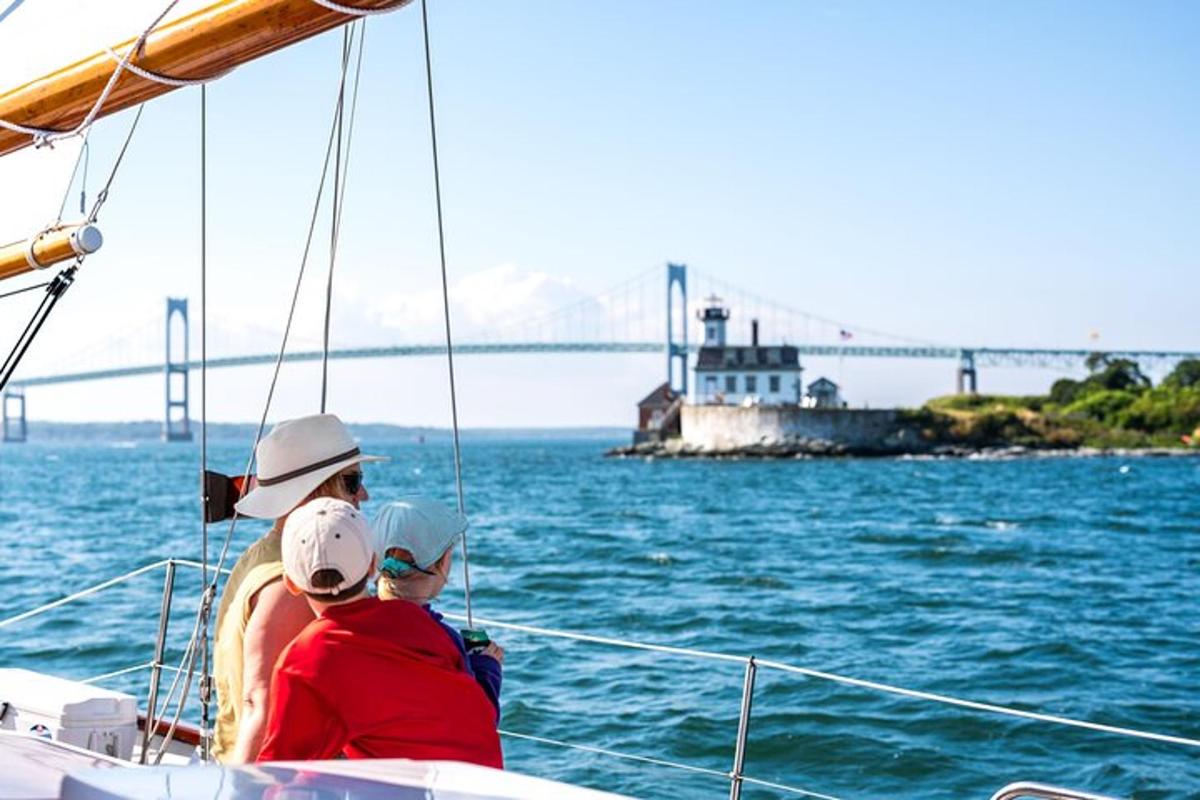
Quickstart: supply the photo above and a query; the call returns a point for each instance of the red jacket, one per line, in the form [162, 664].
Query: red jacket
[375, 679]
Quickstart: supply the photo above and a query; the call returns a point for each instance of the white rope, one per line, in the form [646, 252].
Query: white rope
[45, 136]
[33, 612]
[183, 562]
[351, 11]
[995, 709]
[688, 652]
[118, 673]
[158, 77]
[584, 637]
[829, 676]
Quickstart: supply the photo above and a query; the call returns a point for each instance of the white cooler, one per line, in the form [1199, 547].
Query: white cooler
[76, 713]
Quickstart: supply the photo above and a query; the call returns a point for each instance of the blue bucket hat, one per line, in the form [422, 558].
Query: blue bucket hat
[425, 528]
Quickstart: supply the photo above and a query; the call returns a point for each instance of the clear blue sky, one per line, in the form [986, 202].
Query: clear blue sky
[1021, 173]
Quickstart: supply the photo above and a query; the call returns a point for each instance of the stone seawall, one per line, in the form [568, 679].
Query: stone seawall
[730, 429]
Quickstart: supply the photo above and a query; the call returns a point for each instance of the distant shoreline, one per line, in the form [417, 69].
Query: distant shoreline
[148, 430]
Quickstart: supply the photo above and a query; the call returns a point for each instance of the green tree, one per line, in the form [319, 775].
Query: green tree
[1064, 391]
[1185, 374]
[1117, 374]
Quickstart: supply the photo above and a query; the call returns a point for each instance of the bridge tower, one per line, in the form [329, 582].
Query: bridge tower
[15, 429]
[966, 372]
[176, 422]
[677, 351]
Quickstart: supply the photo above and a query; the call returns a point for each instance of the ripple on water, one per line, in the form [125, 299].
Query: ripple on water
[1057, 584]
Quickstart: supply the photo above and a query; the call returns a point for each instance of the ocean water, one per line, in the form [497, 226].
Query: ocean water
[1065, 586]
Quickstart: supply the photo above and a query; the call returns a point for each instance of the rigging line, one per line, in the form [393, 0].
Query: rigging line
[205, 684]
[333, 216]
[437, 188]
[262, 423]
[209, 593]
[79, 159]
[82, 593]
[26, 289]
[102, 197]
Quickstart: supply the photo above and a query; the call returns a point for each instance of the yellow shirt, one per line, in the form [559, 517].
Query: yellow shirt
[260, 565]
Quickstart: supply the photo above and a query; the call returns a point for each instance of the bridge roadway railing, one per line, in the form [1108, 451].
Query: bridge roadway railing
[980, 356]
[750, 664]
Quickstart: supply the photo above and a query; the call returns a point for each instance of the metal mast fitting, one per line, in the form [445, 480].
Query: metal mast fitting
[50, 247]
[196, 47]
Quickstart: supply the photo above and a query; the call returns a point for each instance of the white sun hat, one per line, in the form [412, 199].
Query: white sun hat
[327, 533]
[295, 458]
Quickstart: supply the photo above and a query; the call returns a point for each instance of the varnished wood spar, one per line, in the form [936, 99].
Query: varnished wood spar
[200, 45]
[49, 248]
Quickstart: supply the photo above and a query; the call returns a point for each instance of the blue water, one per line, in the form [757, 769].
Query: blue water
[1066, 586]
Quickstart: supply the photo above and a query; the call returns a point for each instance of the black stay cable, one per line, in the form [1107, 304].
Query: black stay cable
[54, 292]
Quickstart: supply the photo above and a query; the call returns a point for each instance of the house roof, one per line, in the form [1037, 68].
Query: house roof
[748, 358]
[661, 397]
[822, 383]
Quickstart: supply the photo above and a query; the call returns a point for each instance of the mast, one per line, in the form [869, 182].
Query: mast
[198, 46]
[48, 248]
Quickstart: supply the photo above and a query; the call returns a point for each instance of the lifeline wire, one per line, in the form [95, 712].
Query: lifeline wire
[437, 188]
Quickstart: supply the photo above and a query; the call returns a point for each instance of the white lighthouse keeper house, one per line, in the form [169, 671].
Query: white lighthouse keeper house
[751, 374]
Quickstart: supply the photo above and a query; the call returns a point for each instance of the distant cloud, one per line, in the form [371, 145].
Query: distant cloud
[492, 303]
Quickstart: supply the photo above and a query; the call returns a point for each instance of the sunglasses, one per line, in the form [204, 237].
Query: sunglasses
[352, 482]
[398, 567]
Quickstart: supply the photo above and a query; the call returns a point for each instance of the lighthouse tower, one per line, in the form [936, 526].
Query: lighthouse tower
[714, 315]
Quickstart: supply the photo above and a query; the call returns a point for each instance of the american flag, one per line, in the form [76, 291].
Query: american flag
[844, 334]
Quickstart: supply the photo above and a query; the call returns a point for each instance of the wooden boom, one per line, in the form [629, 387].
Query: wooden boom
[48, 248]
[200, 45]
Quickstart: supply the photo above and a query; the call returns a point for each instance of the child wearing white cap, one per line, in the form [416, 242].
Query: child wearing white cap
[415, 545]
[366, 679]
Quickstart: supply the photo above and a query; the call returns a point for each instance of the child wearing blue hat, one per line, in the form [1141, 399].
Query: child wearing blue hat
[415, 545]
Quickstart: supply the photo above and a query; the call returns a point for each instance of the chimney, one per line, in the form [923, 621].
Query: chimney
[754, 332]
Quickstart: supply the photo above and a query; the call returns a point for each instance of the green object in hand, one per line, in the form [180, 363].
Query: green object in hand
[475, 639]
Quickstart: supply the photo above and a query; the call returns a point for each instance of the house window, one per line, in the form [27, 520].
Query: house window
[773, 381]
[751, 384]
[731, 384]
[710, 385]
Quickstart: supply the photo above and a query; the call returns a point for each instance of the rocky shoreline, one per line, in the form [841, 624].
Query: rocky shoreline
[678, 449]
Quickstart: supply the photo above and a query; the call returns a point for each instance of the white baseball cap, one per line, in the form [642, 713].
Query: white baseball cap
[295, 458]
[327, 533]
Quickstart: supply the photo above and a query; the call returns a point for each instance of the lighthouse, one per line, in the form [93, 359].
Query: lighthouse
[713, 315]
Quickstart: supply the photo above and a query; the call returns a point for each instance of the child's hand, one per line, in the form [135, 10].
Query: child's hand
[495, 651]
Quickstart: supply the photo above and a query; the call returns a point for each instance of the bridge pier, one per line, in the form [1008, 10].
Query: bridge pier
[677, 351]
[966, 373]
[176, 420]
[15, 429]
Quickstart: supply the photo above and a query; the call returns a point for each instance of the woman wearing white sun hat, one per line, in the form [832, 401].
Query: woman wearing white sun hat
[299, 460]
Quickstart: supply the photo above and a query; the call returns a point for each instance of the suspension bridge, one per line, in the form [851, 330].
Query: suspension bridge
[634, 317]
